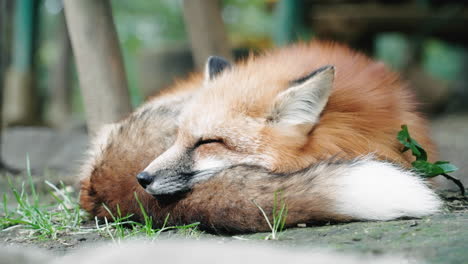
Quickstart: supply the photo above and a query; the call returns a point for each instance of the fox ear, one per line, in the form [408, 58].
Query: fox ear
[302, 103]
[214, 66]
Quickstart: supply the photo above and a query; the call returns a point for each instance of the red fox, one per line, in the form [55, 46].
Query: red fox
[316, 123]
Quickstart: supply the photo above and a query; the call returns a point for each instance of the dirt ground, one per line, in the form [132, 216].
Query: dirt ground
[442, 238]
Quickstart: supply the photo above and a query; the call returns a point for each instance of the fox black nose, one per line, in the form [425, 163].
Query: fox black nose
[144, 179]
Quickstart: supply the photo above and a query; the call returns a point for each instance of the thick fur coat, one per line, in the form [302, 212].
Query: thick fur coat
[343, 164]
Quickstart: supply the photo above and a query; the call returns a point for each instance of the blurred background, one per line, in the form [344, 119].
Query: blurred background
[139, 47]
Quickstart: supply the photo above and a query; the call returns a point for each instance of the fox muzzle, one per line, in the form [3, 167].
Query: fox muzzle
[164, 182]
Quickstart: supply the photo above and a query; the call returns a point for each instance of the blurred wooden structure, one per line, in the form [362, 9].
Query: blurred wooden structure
[6, 7]
[20, 93]
[206, 30]
[61, 79]
[99, 61]
[358, 22]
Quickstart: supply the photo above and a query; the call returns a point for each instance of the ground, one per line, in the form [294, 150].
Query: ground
[441, 238]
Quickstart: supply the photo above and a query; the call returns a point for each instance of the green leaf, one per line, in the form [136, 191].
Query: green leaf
[427, 169]
[446, 166]
[410, 143]
[421, 165]
[403, 134]
[430, 170]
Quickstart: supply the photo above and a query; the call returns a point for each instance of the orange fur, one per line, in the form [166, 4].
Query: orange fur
[367, 106]
[366, 109]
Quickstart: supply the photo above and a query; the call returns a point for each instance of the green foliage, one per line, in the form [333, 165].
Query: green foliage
[44, 221]
[425, 168]
[247, 20]
[443, 60]
[440, 59]
[421, 165]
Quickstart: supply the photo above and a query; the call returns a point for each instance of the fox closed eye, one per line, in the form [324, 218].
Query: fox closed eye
[208, 141]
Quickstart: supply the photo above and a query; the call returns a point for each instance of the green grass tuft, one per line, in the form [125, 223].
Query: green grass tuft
[279, 214]
[122, 227]
[29, 210]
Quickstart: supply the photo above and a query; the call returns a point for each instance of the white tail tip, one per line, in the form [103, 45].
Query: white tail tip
[375, 190]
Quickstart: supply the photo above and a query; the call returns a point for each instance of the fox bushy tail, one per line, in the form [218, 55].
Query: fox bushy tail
[360, 189]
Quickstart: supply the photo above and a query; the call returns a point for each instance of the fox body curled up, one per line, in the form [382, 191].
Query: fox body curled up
[316, 122]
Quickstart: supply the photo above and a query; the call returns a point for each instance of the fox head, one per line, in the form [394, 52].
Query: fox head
[240, 116]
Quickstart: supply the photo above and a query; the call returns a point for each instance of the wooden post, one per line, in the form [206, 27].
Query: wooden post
[61, 79]
[5, 44]
[99, 61]
[20, 93]
[206, 30]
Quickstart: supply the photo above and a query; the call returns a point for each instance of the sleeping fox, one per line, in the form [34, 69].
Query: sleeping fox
[314, 122]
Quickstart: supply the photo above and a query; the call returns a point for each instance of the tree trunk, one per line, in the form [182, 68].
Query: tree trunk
[206, 30]
[99, 61]
[61, 79]
[5, 37]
